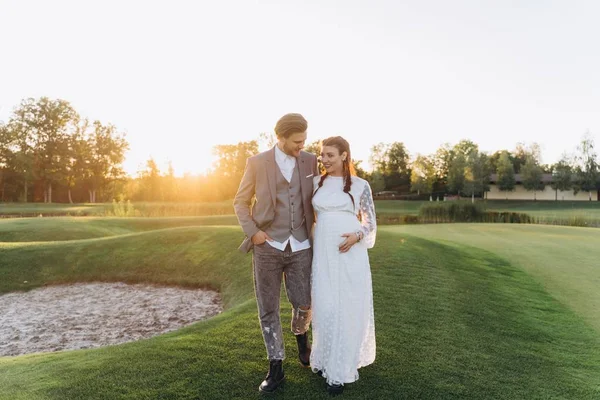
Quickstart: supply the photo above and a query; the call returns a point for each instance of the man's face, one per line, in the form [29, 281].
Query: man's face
[293, 144]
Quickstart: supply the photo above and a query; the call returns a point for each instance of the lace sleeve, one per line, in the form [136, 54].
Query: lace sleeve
[368, 218]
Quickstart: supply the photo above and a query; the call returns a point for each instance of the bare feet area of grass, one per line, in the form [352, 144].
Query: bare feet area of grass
[82, 316]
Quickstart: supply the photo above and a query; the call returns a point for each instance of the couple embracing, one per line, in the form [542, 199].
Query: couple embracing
[325, 267]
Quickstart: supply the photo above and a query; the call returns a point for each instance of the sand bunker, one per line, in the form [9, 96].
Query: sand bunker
[82, 316]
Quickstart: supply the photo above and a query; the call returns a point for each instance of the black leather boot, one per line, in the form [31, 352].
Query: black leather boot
[303, 349]
[274, 378]
[335, 389]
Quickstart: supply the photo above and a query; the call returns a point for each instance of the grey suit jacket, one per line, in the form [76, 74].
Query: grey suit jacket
[260, 180]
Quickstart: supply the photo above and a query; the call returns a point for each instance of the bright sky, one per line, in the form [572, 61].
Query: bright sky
[182, 76]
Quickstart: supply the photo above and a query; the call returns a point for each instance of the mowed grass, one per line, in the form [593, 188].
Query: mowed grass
[574, 213]
[398, 207]
[15, 209]
[547, 212]
[140, 209]
[565, 260]
[453, 321]
[74, 228]
[552, 212]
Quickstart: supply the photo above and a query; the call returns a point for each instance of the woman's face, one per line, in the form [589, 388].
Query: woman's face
[333, 161]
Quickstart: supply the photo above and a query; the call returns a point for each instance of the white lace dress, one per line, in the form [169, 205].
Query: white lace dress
[343, 337]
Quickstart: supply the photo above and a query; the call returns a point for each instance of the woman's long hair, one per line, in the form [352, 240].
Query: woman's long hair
[348, 167]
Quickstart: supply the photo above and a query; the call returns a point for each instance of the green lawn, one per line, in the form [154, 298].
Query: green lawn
[398, 207]
[565, 260]
[457, 316]
[73, 228]
[30, 209]
[142, 209]
[551, 211]
[534, 207]
[547, 212]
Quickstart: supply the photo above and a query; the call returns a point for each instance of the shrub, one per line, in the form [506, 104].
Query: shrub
[457, 211]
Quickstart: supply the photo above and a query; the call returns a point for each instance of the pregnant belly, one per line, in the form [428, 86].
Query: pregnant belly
[336, 223]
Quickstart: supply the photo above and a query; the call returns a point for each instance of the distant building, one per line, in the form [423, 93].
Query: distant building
[520, 193]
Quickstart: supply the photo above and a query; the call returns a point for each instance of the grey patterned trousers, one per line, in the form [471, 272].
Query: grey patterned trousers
[270, 265]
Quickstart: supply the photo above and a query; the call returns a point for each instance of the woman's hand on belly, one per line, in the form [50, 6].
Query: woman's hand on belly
[350, 240]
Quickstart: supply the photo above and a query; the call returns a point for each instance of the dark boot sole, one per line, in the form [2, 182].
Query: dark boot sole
[307, 365]
[279, 384]
[334, 391]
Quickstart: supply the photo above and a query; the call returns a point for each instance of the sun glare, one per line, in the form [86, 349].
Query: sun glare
[198, 166]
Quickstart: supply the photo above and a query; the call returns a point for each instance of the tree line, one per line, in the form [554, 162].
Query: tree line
[49, 153]
[464, 170]
[47, 148]
[461, 169]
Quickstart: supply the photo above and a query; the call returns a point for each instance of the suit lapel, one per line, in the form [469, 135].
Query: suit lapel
[272, 175]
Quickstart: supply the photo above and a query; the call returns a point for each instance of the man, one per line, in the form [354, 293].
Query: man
[278, 228]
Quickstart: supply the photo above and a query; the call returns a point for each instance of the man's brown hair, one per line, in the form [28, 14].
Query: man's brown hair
[290, 124]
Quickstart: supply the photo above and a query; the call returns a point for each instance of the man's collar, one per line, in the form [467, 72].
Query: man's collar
[281, 154]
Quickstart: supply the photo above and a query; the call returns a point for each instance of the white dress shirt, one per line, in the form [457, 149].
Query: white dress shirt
[286, 165]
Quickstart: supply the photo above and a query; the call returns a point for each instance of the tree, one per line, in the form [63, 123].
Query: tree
[505, 172]
[230, 165]
[531, 175]
[390, 158]
[422, 175]
[494, 159]
[496, 156]
[107, 152]
[150, 182]
[519, 156]
[40, 138]
[484, 171]
[377, 182]
[587, 170]
[441, 165]
[477, 174]
[456, 173]
[562, 176]
[377, 158]
[45, 146]
[465, 147]
[358, 169]
[5, 157]
[170, 188]
[457, 163]
[20, 140]
[397, 158]
[315, 148]
[79, 155]
[392, 161]
[4, 150]
[56, 122]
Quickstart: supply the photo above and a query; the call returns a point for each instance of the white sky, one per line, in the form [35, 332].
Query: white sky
[182, 76]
